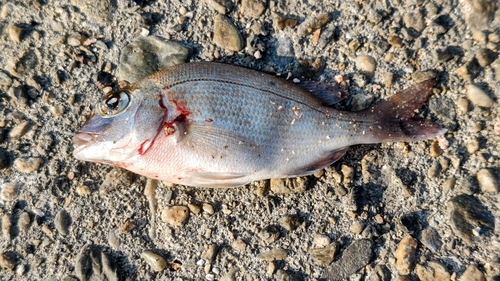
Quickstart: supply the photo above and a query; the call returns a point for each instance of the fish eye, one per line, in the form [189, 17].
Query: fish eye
[114, 103]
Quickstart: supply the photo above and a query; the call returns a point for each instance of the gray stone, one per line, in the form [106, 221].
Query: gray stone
[414, 20]
[269, 234]
[290, 222]
[466, 214]
[93, 264]
[62, 222]
[431, 239]
[226, 35]
[148, 55]
[432, 271]
[355, 256]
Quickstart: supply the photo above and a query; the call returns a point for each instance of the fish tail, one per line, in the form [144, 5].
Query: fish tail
[393, 118]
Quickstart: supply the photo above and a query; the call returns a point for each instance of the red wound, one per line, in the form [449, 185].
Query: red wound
[144, 147]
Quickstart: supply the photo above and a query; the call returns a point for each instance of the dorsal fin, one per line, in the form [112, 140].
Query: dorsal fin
[328, 94]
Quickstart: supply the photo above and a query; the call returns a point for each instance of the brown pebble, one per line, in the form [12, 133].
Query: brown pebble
[208, 208]
[435, 150]
[405, 254]
[175, 215]
[7, 261]
[83, 190]
[472, 273]
[127, 226]
[6, 226]
[19, 130]
[487, 181]
[226, 35]
[195, 209]
[16, 33]
[313, 23]
[239, 245]
[395, 41]
[28, 165]
[9, 191]
[157, 262]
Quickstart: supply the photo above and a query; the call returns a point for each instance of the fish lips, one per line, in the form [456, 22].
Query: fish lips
[89, 135]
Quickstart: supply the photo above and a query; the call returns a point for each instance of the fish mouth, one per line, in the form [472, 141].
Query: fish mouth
[82, 140]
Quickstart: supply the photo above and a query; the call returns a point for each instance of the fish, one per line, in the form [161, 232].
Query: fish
[207, 124]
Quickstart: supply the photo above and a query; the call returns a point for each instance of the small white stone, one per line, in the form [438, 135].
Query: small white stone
[477, 96]
[210, 277]
[156, 261]
[200, 262]
[366, 64]
[144, 32]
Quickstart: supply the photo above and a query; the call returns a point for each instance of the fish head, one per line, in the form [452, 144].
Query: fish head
[122, 127]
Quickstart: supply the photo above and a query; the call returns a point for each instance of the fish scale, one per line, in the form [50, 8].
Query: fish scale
[217, 125]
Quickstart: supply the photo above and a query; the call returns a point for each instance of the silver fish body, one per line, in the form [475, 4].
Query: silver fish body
[217, 125]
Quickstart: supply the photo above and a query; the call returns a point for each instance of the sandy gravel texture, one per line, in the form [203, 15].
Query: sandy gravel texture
[395, 211]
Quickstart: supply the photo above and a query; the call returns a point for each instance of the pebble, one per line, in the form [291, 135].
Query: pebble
[467, 213]
[19, 130]
[442, 55]
[324, 255]
[226, 35]
[175, 215]
[217, 5]
[114, 239]
[28, 164]
[289, 185]
[273, 255]
[8, 260]
[282, 22]
[210, 253]
[230, 275]
[405, 255]
[395, 41]
[435, 150]
[62, 222]
[208, 208]
[357, 255]
[469, 70]
[432, 271]
[487, 181]
[414, 20]
[24, 221]
[472, 146]
[157, 262]
[448, 185]
[195, 209]
[477, 96]
[431, 239]
[322, 240]
[239, 245]
[75, 39]
[478, 14]
[421, 76]
[252, 8]
[269, 234]
[313, 23]
[9, 191]
[16, 33]
[366, 64]
[484, 57]
[434, 170]
[127, 226]
[348, 173]
[472, 273]
[94, 264]
[357, 227]
[83, 190]
[147, 55]
[6, 226]
[462, 105]
[5, 79]
[290, 222]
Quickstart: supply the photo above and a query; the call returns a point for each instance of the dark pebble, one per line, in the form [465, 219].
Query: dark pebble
[355, 257]
[468, 213]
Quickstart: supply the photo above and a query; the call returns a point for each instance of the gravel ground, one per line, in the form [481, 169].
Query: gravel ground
[403, 211]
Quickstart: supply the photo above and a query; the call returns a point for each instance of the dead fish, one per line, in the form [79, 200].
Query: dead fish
[216, 125]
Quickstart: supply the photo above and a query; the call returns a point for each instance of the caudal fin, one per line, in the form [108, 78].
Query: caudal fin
[394, 117]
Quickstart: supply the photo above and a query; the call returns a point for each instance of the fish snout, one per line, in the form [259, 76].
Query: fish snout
[82, 139]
